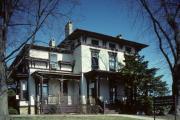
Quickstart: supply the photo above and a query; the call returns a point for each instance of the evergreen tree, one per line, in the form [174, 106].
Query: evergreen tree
[141, 83]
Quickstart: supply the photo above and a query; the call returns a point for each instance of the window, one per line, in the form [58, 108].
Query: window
[53, 61]
[95, 42]
[65, 88]
[128, 49]
[84, 39]
[78, 41]
[72, 46]
[104, 43]
[112, 61]
[120, 46]
[94, 59]
[112, 46]
[45, 91]
[24, 90]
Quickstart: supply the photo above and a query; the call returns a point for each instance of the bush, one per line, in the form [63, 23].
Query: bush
[11, 92]
[12, 110]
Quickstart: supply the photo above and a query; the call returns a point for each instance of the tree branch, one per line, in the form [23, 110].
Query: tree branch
[18, 24]
[161, 48]
[143, 2]
[35, 31]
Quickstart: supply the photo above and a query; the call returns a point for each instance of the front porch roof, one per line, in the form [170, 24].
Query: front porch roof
[103, 73]
[60, 75]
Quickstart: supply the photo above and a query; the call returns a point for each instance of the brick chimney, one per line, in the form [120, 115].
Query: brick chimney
[68, 28]
[52, 43]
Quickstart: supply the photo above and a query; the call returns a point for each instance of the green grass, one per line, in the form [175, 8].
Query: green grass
[71, 118]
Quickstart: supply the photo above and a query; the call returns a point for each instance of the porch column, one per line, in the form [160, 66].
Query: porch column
[97, 87]
[88, 101]
[61, 90]
[61, 82]
[41, 95]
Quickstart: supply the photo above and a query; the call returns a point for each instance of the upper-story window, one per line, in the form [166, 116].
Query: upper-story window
[53, 61]
[120, 46]
[104, 43]
[112, 61]
[95, 42]
[128, 49]
[78, 41]
[112, 46]
[84, 38]
[94, 59]
[24, 90]
[72, 46]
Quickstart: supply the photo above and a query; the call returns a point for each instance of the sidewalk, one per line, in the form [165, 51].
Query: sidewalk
[140, 117]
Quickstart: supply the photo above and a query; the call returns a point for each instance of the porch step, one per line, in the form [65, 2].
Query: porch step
[49, 109]
[110, 111]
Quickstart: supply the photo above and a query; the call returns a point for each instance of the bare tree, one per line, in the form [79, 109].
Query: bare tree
[27, 18]
[165, 18]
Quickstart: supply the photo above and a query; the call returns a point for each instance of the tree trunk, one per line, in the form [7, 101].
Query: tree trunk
[4, 115]
[176, 86]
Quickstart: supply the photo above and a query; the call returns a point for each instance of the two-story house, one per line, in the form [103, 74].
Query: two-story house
[81, 71]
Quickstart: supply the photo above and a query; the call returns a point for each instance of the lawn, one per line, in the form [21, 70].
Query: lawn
[66, 117]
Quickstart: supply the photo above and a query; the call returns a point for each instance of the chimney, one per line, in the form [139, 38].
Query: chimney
[52, 43]
[119, 36]
[68, 28]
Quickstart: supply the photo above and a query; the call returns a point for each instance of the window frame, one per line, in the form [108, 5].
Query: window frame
[24, 94]
[104, 43]
[112, 61]
[128, 49]
[112, 48]
[95, 55]
[93, 42]
[53, 62]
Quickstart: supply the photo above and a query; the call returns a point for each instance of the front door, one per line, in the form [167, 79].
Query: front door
[113, 91]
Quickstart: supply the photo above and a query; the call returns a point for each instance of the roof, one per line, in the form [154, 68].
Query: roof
[60, 75]
[95, 73]
[24, 53]
[79, 32]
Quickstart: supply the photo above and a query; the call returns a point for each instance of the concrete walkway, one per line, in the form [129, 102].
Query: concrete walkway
[140, 117]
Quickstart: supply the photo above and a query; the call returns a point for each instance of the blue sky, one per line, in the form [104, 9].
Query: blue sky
[113, 17]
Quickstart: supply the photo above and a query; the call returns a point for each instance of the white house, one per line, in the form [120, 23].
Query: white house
[80, 72]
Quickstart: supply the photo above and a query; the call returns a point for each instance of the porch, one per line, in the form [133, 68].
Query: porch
[105, 89]
[56, 92]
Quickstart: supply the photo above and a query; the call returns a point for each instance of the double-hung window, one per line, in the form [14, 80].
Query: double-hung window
[24, 90]
[112, 61]
[112, 46]
[95, 42]
[53, 61]
[94, 59]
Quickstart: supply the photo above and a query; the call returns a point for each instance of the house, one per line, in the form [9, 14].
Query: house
[79, 74]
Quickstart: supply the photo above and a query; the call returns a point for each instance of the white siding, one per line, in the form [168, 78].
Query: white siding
[31, 87]
[103, 58]
[78, 60]
[39, 54]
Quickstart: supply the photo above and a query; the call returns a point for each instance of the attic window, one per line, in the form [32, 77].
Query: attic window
[120, 46]
[95, 42]
[84, 39]
[128, 49]
[112, 46]
[104, 43]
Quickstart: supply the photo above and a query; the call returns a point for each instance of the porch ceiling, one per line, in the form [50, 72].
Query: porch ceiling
[102, 73]
[60, 75]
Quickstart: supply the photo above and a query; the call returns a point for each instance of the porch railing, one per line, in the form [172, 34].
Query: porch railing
[57, 104]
